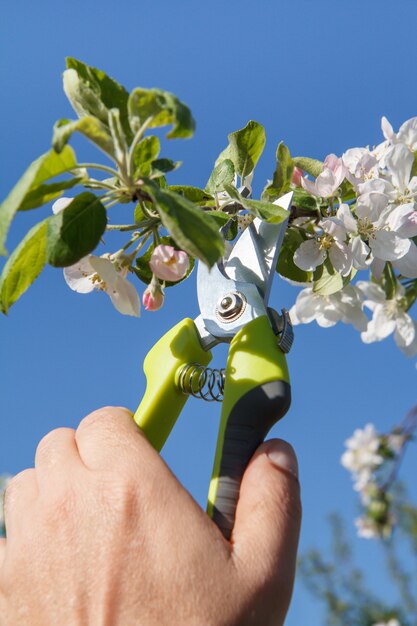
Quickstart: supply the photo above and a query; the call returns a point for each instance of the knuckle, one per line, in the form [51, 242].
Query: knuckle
[49, 442]
[106, 416]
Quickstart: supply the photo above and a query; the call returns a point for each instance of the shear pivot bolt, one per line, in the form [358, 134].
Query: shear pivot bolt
[230, 306]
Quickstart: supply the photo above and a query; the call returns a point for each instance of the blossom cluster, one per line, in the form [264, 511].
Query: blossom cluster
[369, 223]
[371, 457]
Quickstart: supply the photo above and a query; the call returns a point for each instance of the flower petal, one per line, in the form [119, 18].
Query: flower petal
[78, 276]
[386, 245]
[407, 265]
[124, 297]
[341, 258]
[399, 161]
[309, 255]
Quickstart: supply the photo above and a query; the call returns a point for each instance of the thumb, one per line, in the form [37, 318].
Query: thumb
[268, 517]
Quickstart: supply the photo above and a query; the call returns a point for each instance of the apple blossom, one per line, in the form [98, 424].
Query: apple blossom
[392, 622]
[331, 242]
[330, 179]
[297, 175]
[407, 134]
[343, 306]
[169, 264]
[361, 165]
[153, 296]
[388, 316]
[362, 454]
[104, 274]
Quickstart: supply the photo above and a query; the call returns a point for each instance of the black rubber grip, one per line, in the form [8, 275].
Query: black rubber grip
[249, 422]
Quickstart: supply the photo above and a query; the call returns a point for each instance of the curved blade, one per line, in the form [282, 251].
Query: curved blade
[255, 255]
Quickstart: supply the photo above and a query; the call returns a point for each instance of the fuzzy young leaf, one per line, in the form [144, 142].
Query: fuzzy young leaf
[144, 272]
[327, 281]
[265, 210]
[311, 166]
[88, 126]
[75, 231]
[223, 174]
[163, 109]
[286, 266]
[23, 266]
[245, 147]
[145, 152]
[30, 191]
[194, 194]
[118, 135]
[282, 176]
[160, 167]
[192, 230]
[99, 94]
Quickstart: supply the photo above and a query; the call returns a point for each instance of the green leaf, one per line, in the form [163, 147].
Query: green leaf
[303, 200]
[75, 231]
[327, 281]
[88, 126]
[143, 271]
[194, 194]
[282, 176]
[118, 136]
[145, 152]
[389, 281]
[286, 266]
[23, 266]
[265, 210]
[192, 230]
[163, 166]
[97, 91]
[163, 108]
[414, 168]
[29, 191]
[222, 219]
[223, 174]
[245, 147]
[411, 295]
[311, 166]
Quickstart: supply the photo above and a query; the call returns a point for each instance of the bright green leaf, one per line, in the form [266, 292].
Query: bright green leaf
[265, 210]
[222, 219]
[75, 231]
[389, 281]
[194, 194]
[163, 166]
[192, 230]
[286, 266]
[311, 166]
[23, 266]
[223, 174]
[118, 136]
[103, 89]
[29, 192]
[327, 281]
[163, 108]
[145, 152]
[282, 176]
[88, 126]
[245, 147]
[143, 271]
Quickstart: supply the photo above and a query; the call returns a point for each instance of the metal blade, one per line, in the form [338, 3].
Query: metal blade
[255, 255]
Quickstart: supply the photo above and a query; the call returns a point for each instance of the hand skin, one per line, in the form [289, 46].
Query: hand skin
[101, 533]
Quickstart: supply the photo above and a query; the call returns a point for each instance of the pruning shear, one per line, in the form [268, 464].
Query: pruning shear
[254, 387]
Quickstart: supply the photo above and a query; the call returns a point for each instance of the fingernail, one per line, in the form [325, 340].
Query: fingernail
[281, 454]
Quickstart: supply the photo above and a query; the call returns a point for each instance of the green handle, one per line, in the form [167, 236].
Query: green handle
[257, 394]
[163, 400]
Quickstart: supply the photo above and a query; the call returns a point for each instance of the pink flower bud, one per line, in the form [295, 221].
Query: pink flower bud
[153, 296]
[169, 264]
[297, 176]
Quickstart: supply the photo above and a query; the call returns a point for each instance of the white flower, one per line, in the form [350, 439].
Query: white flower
[367, 528]
[361, 165]
[330, 179]
[392, 622]
[342, 306]
[362, 451]
[313, 252]
[108, 275]
[389, 316]
[406, 135]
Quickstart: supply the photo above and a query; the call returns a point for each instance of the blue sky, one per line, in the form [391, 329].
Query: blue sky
[317, 74]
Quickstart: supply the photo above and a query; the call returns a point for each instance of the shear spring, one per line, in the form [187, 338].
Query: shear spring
[202, 382]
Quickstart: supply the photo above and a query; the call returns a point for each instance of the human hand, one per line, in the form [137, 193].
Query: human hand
[100, 532]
